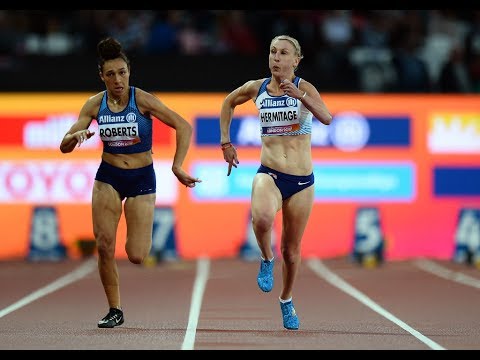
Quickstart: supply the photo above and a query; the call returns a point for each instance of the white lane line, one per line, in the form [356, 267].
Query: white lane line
[87, 267]
[321, 270]
[448, 274]
[203, 269]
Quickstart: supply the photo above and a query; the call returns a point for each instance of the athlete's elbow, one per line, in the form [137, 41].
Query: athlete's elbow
[326, 119]
[65, 149]
[187, 129]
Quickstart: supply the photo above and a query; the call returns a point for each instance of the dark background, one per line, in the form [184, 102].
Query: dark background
[359, 50]
[176, 73]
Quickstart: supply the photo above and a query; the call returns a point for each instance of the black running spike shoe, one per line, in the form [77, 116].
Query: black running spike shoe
[112, 319]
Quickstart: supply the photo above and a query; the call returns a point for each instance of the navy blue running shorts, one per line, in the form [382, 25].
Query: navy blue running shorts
[128, 182]
[288, 184]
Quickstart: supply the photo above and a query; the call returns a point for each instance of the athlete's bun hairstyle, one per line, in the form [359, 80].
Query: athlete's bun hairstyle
[110, 49]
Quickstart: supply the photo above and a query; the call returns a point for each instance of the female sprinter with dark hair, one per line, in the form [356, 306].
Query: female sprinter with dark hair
[126, 176]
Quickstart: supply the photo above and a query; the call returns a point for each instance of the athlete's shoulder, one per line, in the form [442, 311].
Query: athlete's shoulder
[97, 97]
[252, 86]
[146, 101]
[307, 86]
[260, 81]
[140, 93]
[91, 107]
[95, 100]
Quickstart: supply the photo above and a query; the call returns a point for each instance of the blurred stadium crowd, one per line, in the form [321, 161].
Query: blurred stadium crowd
[376, 50]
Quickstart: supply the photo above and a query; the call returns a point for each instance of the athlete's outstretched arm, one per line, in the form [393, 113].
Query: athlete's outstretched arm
[183, 132]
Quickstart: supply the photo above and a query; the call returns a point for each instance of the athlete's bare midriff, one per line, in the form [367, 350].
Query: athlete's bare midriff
[288, 154]
[128, 161]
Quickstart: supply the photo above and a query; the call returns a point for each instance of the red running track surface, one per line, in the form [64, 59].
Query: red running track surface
[207, 304]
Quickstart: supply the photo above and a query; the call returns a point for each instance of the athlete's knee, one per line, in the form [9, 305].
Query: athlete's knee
[105, 248]
[290, 253]
[262, 223]
[135, 259]
[136, 256]
[137, 249]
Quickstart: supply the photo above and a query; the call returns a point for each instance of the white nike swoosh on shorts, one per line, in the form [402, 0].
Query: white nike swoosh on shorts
[303, 183]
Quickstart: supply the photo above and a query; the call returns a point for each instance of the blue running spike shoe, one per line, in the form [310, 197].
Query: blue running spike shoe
[265, 275]
[290, 318]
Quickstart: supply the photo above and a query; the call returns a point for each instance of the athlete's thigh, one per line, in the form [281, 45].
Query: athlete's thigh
[139, 212]
[296, 212]
[106, 210]
[266, 198]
